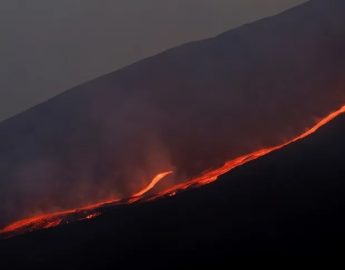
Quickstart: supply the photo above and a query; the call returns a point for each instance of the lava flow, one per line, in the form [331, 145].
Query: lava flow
[54, 219]
[212, 175]
[88, 212]
[50, 220]
[137, 196]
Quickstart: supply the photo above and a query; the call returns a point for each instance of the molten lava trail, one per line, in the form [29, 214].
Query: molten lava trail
[50, 220]
[212, 175]
[54, 219]
[139, 195]
[153, 183]
[88, 212]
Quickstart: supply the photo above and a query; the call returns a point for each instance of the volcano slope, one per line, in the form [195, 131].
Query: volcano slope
[186, 110]
[288, 203]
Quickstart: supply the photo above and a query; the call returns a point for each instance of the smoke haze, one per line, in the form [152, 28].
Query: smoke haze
[188, 109]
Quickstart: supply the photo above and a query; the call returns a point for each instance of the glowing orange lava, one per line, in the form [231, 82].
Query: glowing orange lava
[212, 175]
[51, 220]
[92, 215]
[88, 212]
[54, 219]
[152, 184]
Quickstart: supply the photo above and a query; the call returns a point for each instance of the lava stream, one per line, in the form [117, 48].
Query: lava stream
[54, 219]
[152, 184]
[91, 211]
[212, 175]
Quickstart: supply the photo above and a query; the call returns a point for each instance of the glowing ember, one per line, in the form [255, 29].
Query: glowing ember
[92, 215]
[91, 211]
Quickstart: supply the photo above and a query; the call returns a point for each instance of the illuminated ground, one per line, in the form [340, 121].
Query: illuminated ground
[287, 203]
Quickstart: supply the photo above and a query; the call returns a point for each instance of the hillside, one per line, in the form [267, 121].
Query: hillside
[289, 203]
[187, 110]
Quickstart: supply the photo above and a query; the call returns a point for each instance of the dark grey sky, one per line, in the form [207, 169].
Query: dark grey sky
[48, 46]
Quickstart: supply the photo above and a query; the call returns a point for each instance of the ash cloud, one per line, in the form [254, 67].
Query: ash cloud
[187, 109]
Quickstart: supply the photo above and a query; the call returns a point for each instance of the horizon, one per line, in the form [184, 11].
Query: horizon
[62, 52]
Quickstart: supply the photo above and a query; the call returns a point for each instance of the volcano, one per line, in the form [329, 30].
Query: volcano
[106, 169]
[288, 203]
[58, 218]
[187, 110]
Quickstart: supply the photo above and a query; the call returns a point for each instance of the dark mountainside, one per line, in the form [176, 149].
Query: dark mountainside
[289, 203]
[187, 109]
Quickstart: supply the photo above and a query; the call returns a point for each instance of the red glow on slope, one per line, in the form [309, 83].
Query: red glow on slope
[88, 212]
[54, 219]
[51, 220]
[152, 184]
[212, 175]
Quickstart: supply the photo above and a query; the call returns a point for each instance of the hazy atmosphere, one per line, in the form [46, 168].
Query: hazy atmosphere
[50, 46]
[181, 112]
[143, 133]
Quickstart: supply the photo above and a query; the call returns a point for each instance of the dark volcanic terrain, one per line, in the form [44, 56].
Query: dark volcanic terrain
[178, 114]
[289, 203]
[187, 110]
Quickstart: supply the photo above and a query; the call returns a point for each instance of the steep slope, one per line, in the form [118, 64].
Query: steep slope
[288, 203]
[58, 218]
[187, 110]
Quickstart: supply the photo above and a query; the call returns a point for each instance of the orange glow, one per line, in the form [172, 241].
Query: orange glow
[139, 195]
[92, 215]
[90, 211]
[54, 219]
[212, 175]
[51, 220]
[152, 184]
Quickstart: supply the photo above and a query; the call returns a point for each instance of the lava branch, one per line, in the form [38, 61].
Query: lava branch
[91, 211]
[152, 184]
[54, 219]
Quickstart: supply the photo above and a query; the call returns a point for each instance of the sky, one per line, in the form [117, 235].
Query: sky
[49, 46]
